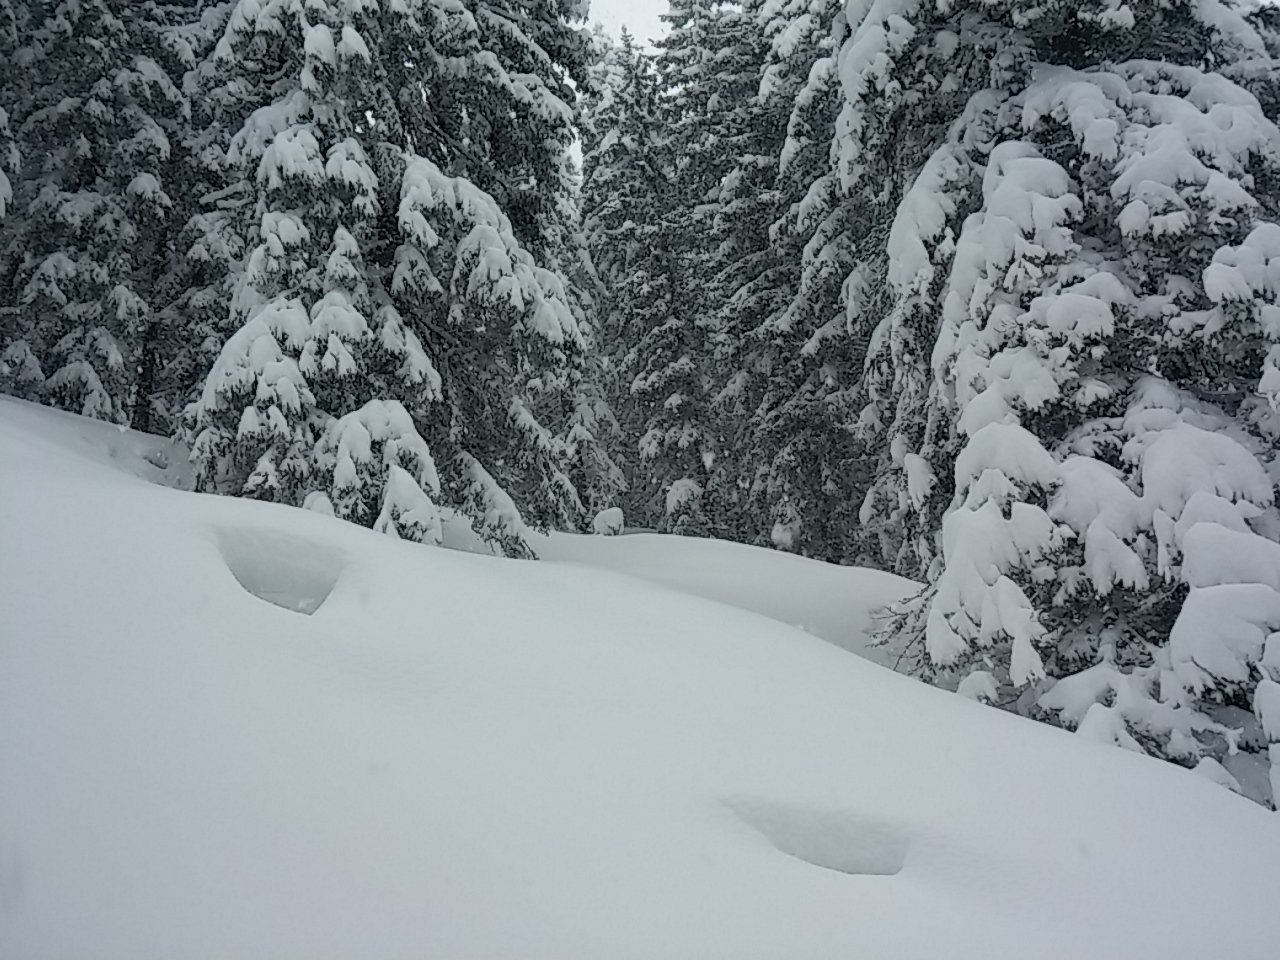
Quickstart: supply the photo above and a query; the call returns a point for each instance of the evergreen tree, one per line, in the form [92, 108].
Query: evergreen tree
[528, 168]
[1074, 373]
[387, 274]
[625, 191]
[9, 157]
[594, 432]
[213, 232]
[1260, 72]
[20, 371]
[94, 103]
[796, 364]
[739, 262]
[668, 361]
[594, 440]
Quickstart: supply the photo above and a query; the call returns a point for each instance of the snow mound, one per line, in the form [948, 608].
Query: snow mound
[608, 523]
[68, 437]
[838, 604]
[466, 756]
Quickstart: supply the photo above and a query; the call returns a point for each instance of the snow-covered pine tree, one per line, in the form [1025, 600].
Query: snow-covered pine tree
[508, 128]
[94, 104]
[213, 229]
[740, 263]
[881, 156]
[20, 371]
[529, 169]
[384, 279]
[1260, 73]
[9, 156]
[257, 423]
[667, 364]
[523, 105]
[594, 441]
[1081, 337]
[625, 195]
[594, 433]
[798, 363]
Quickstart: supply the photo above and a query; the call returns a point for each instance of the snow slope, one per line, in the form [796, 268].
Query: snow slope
[460, 756]
[835, 603]
[32, 429]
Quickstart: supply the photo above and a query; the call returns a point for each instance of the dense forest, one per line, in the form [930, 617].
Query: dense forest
[981, 292]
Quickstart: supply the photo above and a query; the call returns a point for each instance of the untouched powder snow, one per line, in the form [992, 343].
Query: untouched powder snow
[835, 603]
[72, 440]
[230, 730]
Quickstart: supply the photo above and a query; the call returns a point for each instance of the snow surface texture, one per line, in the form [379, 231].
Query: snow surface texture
[462, 756]
[836, 603]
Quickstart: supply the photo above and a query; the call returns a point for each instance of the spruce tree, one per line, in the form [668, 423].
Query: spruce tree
[212, 228]
[625, 193]
[94, 103]
[388, 276]
[20, 371]
[1073, 376]
[10, 160]
[668, 363]
[797, 364]
[740, 264]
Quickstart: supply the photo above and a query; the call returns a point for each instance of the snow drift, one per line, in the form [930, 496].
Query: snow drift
[237, 730]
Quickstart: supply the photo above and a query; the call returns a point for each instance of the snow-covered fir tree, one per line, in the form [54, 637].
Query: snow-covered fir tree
[627, 200]
[528, 167]
[619, 181]
[1260, 72]
[19, 370]
[666, 364]
[796, 364]
[212, 226]
[1075, 370]
[738, 260]
[396, 332]
[594, 433]
[595, 443]
[10, 160]
[93, 106]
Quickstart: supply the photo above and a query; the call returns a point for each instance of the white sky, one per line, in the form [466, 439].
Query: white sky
[638, 16]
